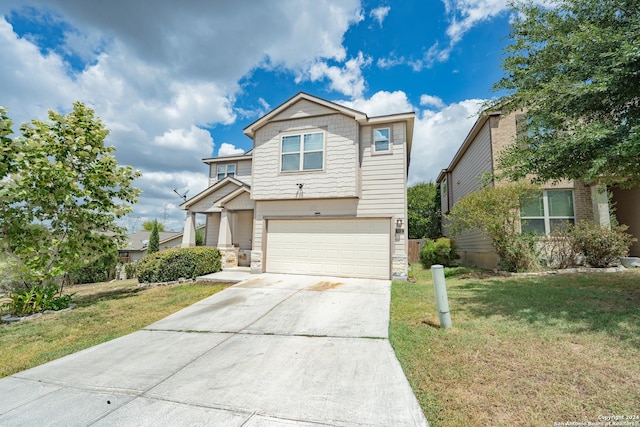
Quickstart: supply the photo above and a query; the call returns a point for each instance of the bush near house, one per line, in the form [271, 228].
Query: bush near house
[175, 263]
[441, 251]
[601, 246]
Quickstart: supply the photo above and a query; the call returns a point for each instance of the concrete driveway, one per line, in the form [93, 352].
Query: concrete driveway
[274, 350]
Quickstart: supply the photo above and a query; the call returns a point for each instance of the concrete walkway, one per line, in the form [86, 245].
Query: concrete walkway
[273, 350]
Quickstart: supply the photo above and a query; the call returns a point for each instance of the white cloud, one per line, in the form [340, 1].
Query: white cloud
[437, 136]
[193, 139]
[227, 149]
[390, 61]
[347, 80]
[379, 13]
[381, 103]
[157, 75]
[431, 101]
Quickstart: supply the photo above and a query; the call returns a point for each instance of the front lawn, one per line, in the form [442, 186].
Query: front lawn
[522, 351]
[105, 311]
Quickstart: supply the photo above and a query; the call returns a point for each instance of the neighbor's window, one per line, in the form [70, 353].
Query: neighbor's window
[548, 211]
[302, 152]
[381, 140]
[226, 170]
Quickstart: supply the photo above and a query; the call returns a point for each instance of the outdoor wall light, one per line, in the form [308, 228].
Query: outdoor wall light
[399, 228]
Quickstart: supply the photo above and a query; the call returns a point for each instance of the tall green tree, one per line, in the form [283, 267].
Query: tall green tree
[148, 225]
[423, 206]
[62, 192]
[574, 65]
[154, 239]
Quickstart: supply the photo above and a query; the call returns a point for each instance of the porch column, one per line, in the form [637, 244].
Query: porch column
[225, 239]
[189, 232]
[600, 202]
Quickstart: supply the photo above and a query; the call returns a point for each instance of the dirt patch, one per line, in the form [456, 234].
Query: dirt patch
[324, 286]
[252, 283]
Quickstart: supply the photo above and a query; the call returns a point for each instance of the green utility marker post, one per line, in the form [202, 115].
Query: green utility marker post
[437, 273]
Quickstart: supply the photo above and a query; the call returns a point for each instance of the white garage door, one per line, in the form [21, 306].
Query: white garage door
[331, 247]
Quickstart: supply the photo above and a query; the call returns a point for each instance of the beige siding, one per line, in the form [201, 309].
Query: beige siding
[207, 203]
[241, 202]
[301, 109]
[297, 209]
[339, 177]
[243, 171]
[466, 177]
[243, 229]
[212, 230]
[384, 184]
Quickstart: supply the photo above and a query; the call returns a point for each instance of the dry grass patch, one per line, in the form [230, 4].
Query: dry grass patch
[105, 311]
[522, 351]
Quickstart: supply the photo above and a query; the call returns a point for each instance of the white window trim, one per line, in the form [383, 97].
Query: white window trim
[226, 171]
[545, 207]
[373, 141]
[302, 152]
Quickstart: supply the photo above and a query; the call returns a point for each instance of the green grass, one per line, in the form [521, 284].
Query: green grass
[522, 351]
[104, 311]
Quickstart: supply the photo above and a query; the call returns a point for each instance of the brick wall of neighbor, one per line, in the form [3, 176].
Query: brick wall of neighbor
[583, 208]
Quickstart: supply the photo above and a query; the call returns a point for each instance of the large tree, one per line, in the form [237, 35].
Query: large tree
[574, 66]
[423, 206]
[62, 192]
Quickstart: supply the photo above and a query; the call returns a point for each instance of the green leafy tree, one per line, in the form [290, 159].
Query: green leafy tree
[200, 237]
[423, 207]
[154, 239]
[148, 225]
[574, 65]
[495, 211]
[62, 193]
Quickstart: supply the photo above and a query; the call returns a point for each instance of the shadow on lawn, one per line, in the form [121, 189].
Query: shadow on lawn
[576, 303]
[87, 300]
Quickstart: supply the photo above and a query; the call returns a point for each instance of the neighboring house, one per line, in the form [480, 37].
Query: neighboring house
[135, 247]
[322, 192]
[570, 201]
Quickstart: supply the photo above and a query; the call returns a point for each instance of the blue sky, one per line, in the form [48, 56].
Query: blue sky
[178, 84]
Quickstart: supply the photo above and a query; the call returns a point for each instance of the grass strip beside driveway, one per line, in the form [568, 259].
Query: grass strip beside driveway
[522, 351]
[104, 311]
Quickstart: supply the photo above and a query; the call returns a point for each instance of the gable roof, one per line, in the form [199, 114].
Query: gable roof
[245, 156]
[253, 127]
[227, 180]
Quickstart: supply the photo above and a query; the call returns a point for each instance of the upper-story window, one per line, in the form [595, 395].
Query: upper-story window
[547, 212]
[382, 140]
[226, 170]
[302, 152]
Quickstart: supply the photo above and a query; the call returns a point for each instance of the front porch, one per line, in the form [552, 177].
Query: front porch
[228, 209]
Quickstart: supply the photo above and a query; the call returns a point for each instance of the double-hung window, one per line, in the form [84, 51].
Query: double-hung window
[382, 140]
[226, 170]
[547, 212]
[302, 152]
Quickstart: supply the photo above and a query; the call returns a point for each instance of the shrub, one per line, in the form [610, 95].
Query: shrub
[441, 251]
[36, 300]
[495, 212]
[559, 250]
[517, 252]
[175, 263]
[601, 246]
[130, 270]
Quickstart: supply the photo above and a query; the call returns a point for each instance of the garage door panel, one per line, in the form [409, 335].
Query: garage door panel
[342, 247]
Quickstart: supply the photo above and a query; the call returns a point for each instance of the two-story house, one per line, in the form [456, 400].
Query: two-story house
[559, 202]
[322, 192]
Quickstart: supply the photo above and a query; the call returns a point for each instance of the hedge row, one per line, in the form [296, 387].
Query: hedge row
[175, 263]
